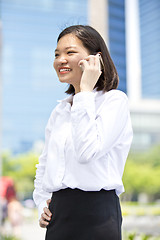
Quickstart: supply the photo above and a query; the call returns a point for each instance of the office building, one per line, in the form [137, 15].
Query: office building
[30, 87]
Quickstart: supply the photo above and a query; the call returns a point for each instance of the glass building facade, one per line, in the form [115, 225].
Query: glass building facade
[116, 10]
[30, 86]
[149, 13]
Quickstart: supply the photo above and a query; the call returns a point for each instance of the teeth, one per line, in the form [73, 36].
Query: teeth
[65, 69]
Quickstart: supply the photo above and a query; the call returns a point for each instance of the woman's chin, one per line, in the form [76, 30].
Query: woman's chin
[63, 81]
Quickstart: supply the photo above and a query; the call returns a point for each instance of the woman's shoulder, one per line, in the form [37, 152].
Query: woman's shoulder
[116, 94]
[60, 106]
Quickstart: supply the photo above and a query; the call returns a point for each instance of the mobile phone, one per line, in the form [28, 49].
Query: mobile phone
[101, 63]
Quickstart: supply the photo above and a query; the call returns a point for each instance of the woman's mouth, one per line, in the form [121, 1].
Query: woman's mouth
[64, 70]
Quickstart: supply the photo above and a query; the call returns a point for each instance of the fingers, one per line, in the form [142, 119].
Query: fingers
[97, 61]
[48, 202]
[45, 216]
[47, 212]
[43, 223]
[83, 64]
[91, 61]
[44, 220]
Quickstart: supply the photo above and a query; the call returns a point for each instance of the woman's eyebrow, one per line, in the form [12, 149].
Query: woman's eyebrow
[72, 46]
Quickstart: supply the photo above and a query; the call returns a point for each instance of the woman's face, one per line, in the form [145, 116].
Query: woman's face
[68, 53]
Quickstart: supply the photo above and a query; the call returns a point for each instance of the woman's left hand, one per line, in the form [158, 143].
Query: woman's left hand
[91, 72]
[45, 216]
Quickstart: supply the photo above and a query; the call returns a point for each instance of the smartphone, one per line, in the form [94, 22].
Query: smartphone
[101, 63]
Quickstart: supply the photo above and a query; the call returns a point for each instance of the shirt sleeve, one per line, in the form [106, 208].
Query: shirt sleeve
[39, 195]
[94, 134]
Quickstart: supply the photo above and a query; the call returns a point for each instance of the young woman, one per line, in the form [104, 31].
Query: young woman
[87, 140]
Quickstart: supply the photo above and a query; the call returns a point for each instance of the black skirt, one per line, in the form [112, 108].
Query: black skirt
[81, 215]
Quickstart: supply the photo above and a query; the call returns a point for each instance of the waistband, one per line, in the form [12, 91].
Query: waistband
[71, 192]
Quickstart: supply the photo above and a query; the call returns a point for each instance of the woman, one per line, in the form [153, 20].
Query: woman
[88, 136]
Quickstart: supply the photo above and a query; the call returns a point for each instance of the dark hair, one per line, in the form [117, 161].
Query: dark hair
[94, 43]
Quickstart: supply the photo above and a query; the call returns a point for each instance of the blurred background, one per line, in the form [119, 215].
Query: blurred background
[29, 90]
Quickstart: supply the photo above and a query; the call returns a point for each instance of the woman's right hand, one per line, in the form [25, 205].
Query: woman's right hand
[45, 216]
[91, 72]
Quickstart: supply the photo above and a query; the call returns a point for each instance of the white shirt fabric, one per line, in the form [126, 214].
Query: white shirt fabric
[86, 145]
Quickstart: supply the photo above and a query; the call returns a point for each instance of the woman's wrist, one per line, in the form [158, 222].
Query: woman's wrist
[85, 89]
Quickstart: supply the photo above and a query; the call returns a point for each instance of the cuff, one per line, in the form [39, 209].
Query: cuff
[84, 100]
[40, 208]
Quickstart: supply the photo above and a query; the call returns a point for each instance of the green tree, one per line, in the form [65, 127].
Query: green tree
[142, 173]
[21, 169]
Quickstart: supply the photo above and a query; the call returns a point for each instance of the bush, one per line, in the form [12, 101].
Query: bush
[142, 172]
[8, 238]
[21, 169]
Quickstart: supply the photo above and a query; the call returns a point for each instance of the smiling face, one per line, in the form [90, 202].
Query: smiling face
[68, 53]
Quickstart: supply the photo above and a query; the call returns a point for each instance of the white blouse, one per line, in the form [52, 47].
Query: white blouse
[86, 145]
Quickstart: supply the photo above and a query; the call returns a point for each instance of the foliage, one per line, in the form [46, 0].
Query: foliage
[131, 236]
[140, 209]
[22, 169]
[142, 173]
[4, 237]
[134, 236]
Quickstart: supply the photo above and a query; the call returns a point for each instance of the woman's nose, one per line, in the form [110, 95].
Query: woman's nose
[62, 59]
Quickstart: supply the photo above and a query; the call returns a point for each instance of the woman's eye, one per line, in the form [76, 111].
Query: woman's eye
[70, 52]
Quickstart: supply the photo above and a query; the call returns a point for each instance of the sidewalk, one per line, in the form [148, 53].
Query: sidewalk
[32, 230]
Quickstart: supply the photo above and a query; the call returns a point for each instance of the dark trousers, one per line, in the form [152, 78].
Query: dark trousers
[80, 215]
